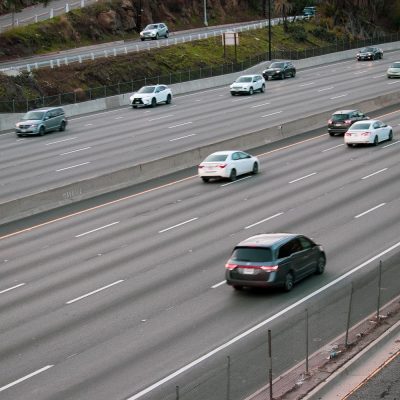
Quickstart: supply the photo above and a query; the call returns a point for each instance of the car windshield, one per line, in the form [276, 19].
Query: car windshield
[361, 126]
[244, 79]
[33, 115]
[366, 50]
[252, 254]
[277, 65]
[395, 65]
[147, 89]
[340, 117]
[149, 27]
[216, 157]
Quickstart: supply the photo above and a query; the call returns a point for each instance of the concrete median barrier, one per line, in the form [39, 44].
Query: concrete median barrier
[51, 198]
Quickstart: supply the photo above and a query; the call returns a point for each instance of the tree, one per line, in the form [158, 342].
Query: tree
[283, 8]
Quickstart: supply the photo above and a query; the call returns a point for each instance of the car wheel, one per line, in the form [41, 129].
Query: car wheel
[169, 98]
[233, 175]
[142, 39]
[41, 131]
[62, 126]
[238, 287]
[293, 74]
[205, 179]
[266, 78]
[134, 106]
[262, 90]
[350, 145]
[289, 282]
[251, 91]
[255, 169]
[282, 76]
[155, 37]
[376, 140]
[166, 35]
[331, 134]
[233, 94]
[390, 136]
[153, 102]
[320, 266]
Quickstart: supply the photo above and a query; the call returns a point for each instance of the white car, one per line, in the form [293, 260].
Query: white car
[154, 31]
[370, 131]
[228, 164]
[248, 84]
[151, 96]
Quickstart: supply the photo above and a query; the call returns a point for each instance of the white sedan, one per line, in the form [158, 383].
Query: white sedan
[151, 96]
[371, 131]
[228, 164]
[248, 84]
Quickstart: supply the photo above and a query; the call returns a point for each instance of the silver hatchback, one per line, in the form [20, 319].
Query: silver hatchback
[41, 121]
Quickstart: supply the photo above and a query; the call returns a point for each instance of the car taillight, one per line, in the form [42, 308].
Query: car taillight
[347, 121]
[230, 266]
[365, 134]
[330, 121]
[347, 134]
[222, 165]
[201, 166]
[269, 268]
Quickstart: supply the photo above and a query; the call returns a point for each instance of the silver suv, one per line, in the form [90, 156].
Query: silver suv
[41, 121]
[154, 31]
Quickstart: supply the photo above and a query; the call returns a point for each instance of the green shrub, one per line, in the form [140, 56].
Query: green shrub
[297, 32]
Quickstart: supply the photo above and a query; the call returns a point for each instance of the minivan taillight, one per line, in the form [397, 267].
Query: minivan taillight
[347, 121]
[269, 268]
[230, 266]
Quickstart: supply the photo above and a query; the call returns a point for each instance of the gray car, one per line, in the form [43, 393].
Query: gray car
[41, 121]
[274, 259]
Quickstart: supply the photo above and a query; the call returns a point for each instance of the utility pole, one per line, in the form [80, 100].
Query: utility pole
[205, 13]
[269, 30]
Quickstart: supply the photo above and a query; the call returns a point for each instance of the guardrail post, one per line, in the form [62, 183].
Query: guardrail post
[379, 290]
[66, 7]
[115, 52]
[51, 13]
[82, 3]
[346, 342]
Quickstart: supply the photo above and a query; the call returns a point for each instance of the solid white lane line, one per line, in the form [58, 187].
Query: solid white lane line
[370, 210]
[164, 116]
[393, 82]
[182, 137]
[75, 151]
[259, 325]
[327, 88]
[218, 284]
[334, 147]
[72, 166]
[94, 292]
[379, 76]
[177, 225]
[303, 177]
[97, 229]
[60, 141]
[175, 126]
[237, 181]
[338, 97]
[268, 115]
[374, 173]
[263, 220]
[260, 105]
[11, 288]
[24, 378]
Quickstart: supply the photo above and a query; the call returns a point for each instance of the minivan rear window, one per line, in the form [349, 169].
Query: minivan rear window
[340, 117]
[252, 254]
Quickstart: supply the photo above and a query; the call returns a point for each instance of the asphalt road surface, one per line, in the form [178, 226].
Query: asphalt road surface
[98, 143]
[108, 302]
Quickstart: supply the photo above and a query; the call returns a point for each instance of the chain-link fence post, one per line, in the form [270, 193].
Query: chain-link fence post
[379, 290]
[307, 350]
[270, 363]
[346, 342]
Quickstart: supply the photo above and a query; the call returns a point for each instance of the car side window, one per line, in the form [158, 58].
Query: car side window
[289, 248]
[235, 156]
[305, 243]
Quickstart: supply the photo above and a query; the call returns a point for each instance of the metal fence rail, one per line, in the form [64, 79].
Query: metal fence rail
[17, 105]
[302, 340]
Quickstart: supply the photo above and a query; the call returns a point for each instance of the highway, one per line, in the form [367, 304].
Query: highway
[113, 298]
[98, 143]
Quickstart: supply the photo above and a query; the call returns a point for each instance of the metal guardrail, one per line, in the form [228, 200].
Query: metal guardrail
[52, 12]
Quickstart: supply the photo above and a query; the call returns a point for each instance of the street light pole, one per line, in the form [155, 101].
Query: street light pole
[269, 30]
[205, 13]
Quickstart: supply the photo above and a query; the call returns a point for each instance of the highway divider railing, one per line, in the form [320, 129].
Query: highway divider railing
[48, 13]
[82, 95]
[297, 348]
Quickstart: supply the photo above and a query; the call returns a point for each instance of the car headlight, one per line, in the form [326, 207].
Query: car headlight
[131, 98]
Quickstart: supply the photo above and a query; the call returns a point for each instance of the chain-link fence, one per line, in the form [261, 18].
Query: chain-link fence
[81, 95]
[287, 349]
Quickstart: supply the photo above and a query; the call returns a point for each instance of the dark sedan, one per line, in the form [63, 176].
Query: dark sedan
[369, 53]
[280, 70]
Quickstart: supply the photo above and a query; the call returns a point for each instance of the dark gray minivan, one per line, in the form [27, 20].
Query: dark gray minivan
[41, 121]
[274, 259]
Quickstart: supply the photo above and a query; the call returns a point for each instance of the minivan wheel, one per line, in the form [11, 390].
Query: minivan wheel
[233, 175]
[289, 282]
[41, 131]
[237, 287]
[320, 266]
[62, 126]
